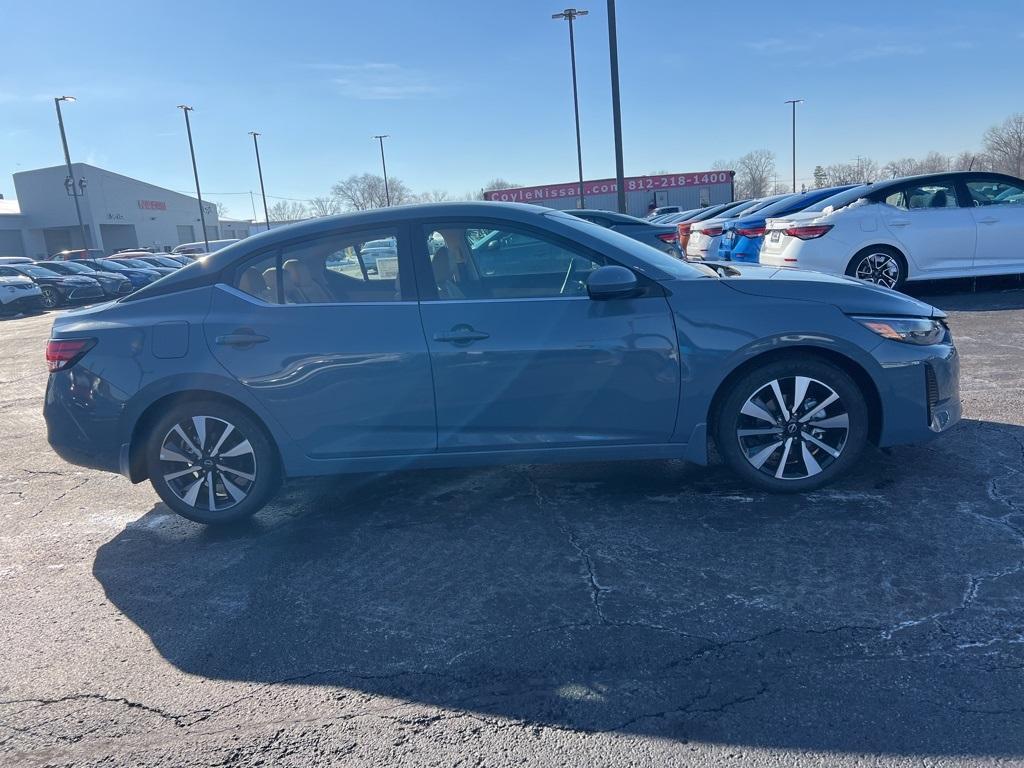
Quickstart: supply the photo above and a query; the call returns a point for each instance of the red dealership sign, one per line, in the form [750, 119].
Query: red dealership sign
[608, 186]
[153, 205]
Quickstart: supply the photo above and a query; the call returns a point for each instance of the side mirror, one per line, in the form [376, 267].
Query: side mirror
[612, 282]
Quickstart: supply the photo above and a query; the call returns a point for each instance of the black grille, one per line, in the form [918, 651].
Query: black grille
[932, 389]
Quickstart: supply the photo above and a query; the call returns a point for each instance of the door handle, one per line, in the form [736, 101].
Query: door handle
[899, 223]
[461, 334]
[989, 220]
[241, 338]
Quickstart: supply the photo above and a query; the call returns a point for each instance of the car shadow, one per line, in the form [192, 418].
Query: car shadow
[882, 614]
[982, 294]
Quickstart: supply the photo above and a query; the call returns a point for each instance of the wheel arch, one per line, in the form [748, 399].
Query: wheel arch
[853, 368]
[154, 410]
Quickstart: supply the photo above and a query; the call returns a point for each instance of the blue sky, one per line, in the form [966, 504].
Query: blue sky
[474, 90]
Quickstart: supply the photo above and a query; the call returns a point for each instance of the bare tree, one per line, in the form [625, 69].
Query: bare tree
[493, 184]
[287, 210]
[433, 196]
[754, 173]
[366, 191]
[324, 206]
[222, 211]
[1004, 144]
[905, 166]
[972, 161]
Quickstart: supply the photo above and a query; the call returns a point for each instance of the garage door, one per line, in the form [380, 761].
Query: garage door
[10, 243]
[117, 237]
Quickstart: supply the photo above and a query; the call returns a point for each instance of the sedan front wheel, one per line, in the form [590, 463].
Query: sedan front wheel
[793, 425]
[51, 298]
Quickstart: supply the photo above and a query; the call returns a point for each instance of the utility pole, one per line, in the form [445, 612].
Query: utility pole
[266, 214]
[195, 172]
[794, 102]
[570, 15]
[70, 184]
[380, 138]
[613, 56]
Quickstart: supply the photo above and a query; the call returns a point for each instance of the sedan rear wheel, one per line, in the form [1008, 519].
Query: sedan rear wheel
[793, 425]
[212, 468]
[879, 265]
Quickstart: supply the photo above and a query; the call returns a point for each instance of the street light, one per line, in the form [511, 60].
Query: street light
[613, 57]
[794, 102]
[570, 15]
[69, 183]
[380, 138]
[195, 172]
[266, 215]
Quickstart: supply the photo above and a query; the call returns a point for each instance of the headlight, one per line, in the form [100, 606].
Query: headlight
[913, 330]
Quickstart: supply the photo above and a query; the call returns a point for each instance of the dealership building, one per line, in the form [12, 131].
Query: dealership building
[118, 212]
[687, 190]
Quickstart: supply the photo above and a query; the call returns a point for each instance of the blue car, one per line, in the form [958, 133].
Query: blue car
[499, 334]
[742, 237]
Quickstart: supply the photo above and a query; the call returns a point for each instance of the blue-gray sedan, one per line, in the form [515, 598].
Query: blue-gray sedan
[488, 333]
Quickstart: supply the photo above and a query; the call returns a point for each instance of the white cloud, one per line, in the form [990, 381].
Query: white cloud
[380, 81]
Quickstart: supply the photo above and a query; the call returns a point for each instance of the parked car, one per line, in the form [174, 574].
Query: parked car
[78, 253]
[181, 258]
[113, 284]
[661, 236]
[139, 277]
[664, 209]
[15, 260]
[742, 236]
[141, 264]
[200, 248]
[157, 262]
[684, 226]
[527, 336]
[57, 290]
[917, 228]
[702, 244]
[19, 294]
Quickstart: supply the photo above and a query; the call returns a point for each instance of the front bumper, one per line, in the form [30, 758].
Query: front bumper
[920, 391]
[22, 304]
[83, 293]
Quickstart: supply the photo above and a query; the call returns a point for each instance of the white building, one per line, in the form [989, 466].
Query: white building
[118, 212]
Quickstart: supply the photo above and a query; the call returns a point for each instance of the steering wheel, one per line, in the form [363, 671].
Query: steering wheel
[570, 273]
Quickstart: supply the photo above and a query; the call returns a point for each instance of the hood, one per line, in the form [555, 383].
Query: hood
[851, 296]
[16, 281]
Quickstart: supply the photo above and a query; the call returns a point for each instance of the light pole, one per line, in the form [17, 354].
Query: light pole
[70, 183]
[570, 15]
[195, 172]
[613, 56]
[387, 192]
[794, 102]
[266, 215]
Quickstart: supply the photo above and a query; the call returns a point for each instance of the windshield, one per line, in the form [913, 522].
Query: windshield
[112, 265]
[841, 200]
[137, 263]
[34, 271]
[643, 253]
[163, 260]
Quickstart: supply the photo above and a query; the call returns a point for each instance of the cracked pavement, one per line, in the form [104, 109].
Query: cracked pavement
[642, 613]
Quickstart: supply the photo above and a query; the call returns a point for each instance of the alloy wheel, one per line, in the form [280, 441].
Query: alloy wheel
[49, 296]
[880, 269]
[208, 463]
[793, 427]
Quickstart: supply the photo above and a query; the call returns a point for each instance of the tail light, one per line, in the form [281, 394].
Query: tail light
[712, 231]
[63, 353]
[809, 232]
[668, 237]
[750, 231]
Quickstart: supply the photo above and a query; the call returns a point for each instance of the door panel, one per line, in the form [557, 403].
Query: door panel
[552, 372]
[937, 235]
[999, 213]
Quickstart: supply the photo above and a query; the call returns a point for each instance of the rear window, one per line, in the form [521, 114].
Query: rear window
[840, 200]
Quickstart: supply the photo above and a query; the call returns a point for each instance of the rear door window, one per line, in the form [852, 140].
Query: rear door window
[923, 196]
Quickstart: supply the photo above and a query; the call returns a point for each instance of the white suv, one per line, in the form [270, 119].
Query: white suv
[915, 228]
[19, 294]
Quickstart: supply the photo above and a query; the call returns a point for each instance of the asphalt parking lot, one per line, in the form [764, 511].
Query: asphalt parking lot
[640, 613]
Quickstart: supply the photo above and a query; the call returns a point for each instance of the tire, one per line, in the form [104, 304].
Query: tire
[181, 464]
[881, 265]
[754, 438]
[51, 297]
